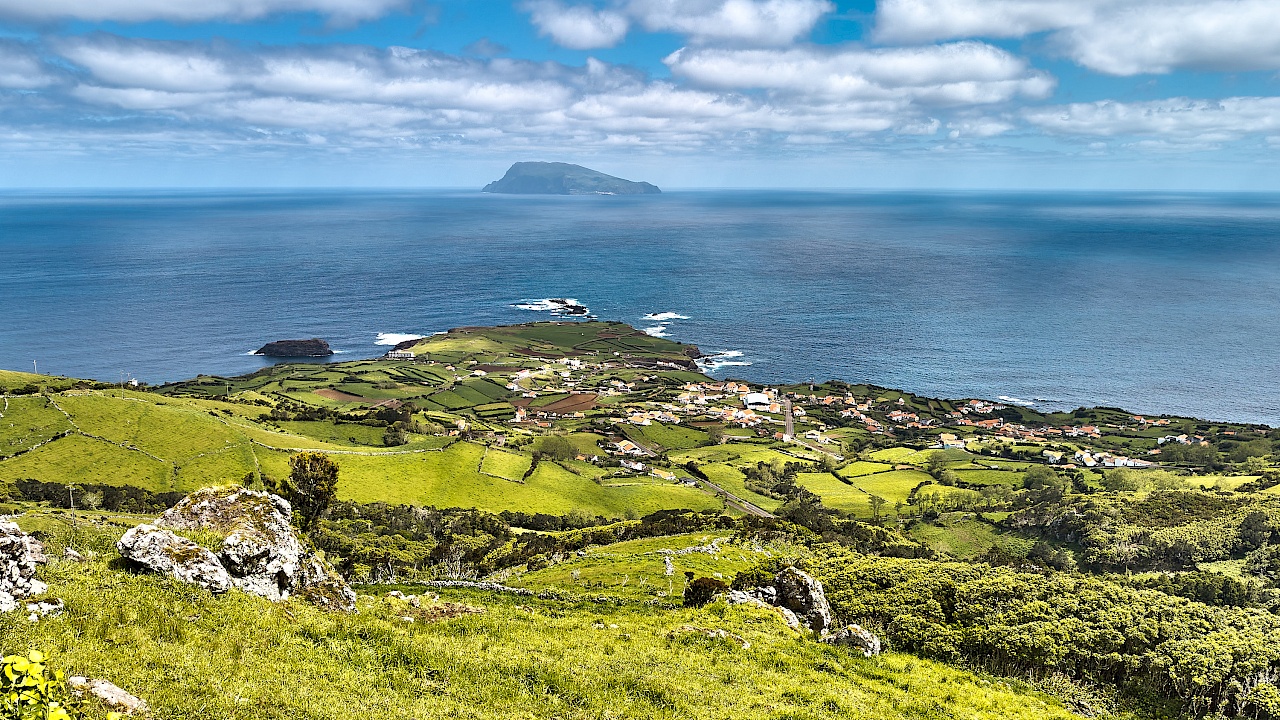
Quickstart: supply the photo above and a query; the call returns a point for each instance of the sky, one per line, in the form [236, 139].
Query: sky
[877, 94]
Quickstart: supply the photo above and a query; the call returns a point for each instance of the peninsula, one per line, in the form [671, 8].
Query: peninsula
[555, 178]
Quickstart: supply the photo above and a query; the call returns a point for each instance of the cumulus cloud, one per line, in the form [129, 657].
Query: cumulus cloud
[749, 22]
[1181, 120]
[177, 10]
[964, 73]
[578, 26]
[20, 68]
[357, 96]
[1118, 37]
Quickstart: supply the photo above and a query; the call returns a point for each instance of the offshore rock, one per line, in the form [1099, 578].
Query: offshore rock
[855, 637]
[162, 552]
[802, 594]
[556, 178]
[19, 555]
[315, 347]
[259, 553]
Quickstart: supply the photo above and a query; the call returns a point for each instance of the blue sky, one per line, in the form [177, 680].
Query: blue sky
[1012, 94]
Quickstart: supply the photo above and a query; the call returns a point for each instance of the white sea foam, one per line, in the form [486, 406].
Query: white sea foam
[724, 358]
[555, 306]
[396, 338]
[659, 330]
[1016, 401]
[659, 317]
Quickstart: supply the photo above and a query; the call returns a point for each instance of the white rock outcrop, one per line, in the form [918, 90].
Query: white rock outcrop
[20, 554]
[259, 553]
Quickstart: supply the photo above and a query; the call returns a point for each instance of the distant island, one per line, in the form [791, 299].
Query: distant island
[554, 178]
[315, 347]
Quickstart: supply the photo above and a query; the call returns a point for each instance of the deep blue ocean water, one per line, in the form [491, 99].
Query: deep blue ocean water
[1156, 303]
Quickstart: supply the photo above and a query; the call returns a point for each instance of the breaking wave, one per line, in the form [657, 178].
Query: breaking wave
[663, 316]
[396, 338]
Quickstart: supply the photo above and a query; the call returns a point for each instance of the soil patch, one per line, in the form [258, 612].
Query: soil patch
[340, 396]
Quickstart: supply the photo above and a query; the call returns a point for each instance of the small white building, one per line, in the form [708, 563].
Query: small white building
[756, 401]
[401, 355]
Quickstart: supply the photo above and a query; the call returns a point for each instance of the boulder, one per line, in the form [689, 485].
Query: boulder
[855, 637]
[110, 695]
[259, 553]
[260, 550]
[19, 555]
[160, 551]
[802, 594]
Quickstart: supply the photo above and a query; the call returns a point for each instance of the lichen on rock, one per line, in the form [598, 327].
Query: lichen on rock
[20, 554]
[260, 553]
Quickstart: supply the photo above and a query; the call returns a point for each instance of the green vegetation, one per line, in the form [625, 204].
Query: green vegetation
[1117, 561]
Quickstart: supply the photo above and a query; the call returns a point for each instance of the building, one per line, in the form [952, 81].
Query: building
[401, 355]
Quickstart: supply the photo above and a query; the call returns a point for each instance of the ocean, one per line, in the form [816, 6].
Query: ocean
[1152, 302]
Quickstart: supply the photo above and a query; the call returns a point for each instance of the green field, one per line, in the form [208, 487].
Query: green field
[510, 466]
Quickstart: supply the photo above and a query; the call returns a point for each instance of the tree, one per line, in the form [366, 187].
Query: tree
[877, 503]
[311, 487]
[558, 447]
[715, 434]
[1120, 480]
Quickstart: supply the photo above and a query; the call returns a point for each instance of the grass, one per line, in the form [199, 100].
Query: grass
[673, 437]
[836, 494]
[519, 658]
[451, 479]
[893, 486]
[27, 422]
[635, 569]
[732, 480]
[79, 459]
[969, 539]
[505, 464]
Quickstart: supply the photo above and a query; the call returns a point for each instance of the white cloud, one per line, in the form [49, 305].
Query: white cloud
[1118, 37]
[925, 20]
[749, 22]
[20, 69]
[963, 73]
[1159, 38]
[1174, 120]
[578, 26]
[191, 11]
[755, 22]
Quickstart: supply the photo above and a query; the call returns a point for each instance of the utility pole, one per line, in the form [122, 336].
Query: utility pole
[34, 368]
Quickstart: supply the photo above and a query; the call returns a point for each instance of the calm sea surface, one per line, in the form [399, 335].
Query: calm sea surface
[1150, 302]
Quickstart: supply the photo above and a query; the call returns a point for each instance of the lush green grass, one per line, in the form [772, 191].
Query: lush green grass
[836, 494]
[28, 421]
[862, 467]
[969, 539]
[519, 658]
[78, 459]
[672, 437]
[893, 486]
[635, 569]
[511, 466]
[340, 434]
[451, 479]
[733, 481]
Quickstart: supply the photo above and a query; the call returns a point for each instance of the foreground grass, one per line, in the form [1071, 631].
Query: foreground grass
[193, 655]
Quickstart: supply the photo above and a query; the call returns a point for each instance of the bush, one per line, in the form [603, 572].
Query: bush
[702, 591]
[28, 691]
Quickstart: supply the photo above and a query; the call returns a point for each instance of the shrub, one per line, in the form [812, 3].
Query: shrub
[702, 591]
[28, 691]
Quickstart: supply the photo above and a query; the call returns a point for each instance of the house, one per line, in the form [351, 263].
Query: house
[400, 355]
[663, 474]
[626, 447]
[1053, 457]
[635, 466]
[756, 401]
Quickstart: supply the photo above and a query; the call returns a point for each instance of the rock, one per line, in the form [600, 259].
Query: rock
[110, 695]
[714, 633]
[764, 597]
[72, 555]
[555, 178]
[260, 553]
[855, 637]
[260, 550]
[38, 610]
[315, 347]
[19, 555]
[160, 551]
[802, 594]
